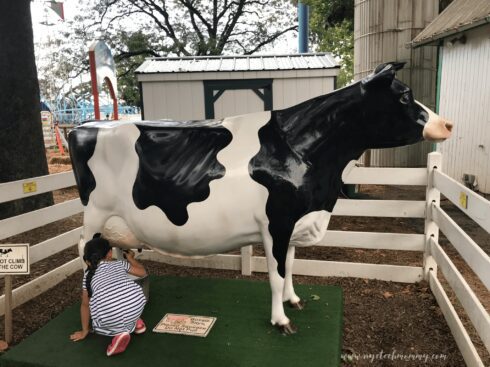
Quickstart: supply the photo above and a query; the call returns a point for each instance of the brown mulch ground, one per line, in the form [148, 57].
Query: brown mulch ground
[379, 317]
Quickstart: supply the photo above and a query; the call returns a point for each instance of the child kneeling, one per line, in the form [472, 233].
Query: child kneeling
[109, 297]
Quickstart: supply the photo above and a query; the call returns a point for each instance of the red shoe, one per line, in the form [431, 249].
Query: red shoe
[140, 327]
[118, 344]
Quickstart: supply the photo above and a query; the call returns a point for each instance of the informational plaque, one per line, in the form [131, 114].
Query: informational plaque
[185, 325]
[14, 259]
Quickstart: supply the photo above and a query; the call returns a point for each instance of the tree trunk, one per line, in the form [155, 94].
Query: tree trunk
[22, 153]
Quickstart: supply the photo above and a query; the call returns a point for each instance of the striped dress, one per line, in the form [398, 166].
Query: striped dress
[117, 302]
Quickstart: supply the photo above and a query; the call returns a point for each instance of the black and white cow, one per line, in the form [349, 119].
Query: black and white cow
[198, 188]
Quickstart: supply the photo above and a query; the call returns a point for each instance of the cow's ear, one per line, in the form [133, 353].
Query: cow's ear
[394, 64]
[397, 65]
[383, 75]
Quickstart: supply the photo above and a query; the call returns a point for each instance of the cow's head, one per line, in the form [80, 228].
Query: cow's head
[395, 117]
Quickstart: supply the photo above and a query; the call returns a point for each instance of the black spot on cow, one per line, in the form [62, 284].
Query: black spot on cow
[82, 143]
[305, 148]
[177, 161]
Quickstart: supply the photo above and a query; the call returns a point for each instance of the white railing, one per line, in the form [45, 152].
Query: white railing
[478, 209]
[25, 222]
[427, 243]
[248, 263]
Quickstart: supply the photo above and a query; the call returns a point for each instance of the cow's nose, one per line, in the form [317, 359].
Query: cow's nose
[449, 125]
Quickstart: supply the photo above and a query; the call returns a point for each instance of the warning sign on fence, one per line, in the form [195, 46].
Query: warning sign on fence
[14, 259]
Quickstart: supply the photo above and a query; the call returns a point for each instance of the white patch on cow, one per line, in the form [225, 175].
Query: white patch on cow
[120, 234]
[310, 229]
[229, 218]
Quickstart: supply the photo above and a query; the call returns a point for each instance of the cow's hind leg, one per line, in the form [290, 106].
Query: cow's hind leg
[278, 316]
[288, 293]
[93, 222]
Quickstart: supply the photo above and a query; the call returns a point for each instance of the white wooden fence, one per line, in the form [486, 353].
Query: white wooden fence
[426, 244]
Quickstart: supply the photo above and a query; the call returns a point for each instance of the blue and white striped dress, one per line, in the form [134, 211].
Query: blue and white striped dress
[117, 301]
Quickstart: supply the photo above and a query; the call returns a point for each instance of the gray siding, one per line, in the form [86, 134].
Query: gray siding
[465, 99]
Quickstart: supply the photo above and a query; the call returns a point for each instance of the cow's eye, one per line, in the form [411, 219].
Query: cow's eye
[405, 98]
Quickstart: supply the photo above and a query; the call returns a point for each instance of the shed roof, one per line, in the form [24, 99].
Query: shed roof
[459, 16]
[237, 63]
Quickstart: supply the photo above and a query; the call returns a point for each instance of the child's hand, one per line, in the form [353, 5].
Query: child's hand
[128, 254]
[78, 335]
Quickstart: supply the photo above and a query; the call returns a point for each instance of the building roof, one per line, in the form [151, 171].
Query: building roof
[237, 63]
[459, 16]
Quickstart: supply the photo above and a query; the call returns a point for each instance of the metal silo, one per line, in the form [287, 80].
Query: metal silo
[382, 31]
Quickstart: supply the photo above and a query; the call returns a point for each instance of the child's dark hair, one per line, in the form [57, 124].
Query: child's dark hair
[95, 250]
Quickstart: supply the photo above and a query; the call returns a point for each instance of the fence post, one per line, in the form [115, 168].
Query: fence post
[433, 197]
[246, 253]
[8, 308]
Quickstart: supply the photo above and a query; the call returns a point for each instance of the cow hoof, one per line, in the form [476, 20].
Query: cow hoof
[288, 329]
[298, 305]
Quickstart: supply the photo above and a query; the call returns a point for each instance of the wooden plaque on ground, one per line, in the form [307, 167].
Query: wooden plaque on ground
[185, 325]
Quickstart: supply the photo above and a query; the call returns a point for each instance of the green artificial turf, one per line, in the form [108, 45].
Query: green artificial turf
[241, 336]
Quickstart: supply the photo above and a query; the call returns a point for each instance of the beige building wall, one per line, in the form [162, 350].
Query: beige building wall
[289, 92]
[176, 100]
[173, 97]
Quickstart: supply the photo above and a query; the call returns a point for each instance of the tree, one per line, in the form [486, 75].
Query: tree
[332, 29]
[136, 29]
[201, 27]
[130, 53]
[21, 137]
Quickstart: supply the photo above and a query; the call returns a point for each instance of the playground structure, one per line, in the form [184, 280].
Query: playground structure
[72, 109]
[427, 244]
[69, 110]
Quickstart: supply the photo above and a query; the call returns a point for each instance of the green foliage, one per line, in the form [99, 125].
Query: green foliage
[339, 40]
[130, 49]
[332, 30]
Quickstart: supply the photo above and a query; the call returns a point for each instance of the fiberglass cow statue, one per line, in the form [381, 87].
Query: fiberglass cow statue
[197, 188]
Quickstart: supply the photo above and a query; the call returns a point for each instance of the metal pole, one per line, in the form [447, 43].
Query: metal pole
[95, 90]
[302, 28]
[8, 308]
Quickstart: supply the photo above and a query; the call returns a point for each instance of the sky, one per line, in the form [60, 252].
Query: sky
[41, 13]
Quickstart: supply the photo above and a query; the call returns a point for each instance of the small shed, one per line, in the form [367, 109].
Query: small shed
[191, 88]
[462, 34]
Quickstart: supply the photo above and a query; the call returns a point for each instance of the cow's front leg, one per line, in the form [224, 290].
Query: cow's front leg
[278, 316]
[288, 294]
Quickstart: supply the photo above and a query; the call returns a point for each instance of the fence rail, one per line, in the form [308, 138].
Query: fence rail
[15, 189]
[475, 206]
[427, 244]
[478, 209]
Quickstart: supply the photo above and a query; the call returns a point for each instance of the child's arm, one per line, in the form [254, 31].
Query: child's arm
[85, 318]
[136, 268]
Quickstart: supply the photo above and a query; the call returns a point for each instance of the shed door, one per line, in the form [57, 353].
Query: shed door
[224, 98]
